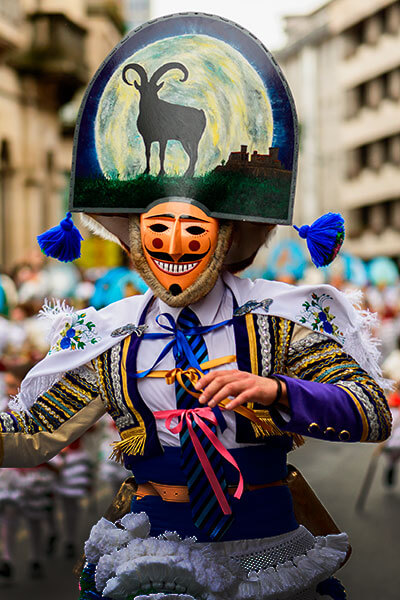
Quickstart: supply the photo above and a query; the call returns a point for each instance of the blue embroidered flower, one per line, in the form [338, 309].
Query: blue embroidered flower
[76, 334]
[65, 343]
[328, 328]
[317, 314]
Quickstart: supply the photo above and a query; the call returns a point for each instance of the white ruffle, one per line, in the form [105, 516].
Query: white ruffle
[165, 597]
[105, 537]
[128, 563]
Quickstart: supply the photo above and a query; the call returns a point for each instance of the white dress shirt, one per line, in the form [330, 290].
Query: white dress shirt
[217, 306]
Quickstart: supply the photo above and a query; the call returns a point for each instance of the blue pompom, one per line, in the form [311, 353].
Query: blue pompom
[324, 238]
[62, 242]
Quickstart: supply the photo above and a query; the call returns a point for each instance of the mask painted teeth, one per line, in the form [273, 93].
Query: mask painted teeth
[175, 268]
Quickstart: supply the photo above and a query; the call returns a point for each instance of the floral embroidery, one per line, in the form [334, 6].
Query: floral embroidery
[318, 315]
[76, 334]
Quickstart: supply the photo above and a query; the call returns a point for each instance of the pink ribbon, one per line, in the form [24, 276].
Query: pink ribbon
[197, 415]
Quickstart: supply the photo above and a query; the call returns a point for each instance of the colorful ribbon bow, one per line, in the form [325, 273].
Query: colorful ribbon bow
[179, 339]
[199, 415]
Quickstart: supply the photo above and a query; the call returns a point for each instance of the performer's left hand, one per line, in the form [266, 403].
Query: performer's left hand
[240, 387]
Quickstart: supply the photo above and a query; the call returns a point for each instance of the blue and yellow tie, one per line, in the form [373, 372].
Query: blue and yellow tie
[206, 511]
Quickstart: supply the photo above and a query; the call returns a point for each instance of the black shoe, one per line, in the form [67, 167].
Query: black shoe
[70, 550]
[36, 570]
[51, 544]
[6, 571]
[390, 476]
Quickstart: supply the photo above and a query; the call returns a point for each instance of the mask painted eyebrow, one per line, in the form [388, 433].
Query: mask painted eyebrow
[183, 217]
[192, 218]
[166, 216]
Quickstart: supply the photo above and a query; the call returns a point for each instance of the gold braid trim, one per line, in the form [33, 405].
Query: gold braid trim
[132, 442]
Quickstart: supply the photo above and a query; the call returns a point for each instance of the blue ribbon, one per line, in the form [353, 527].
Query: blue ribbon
[179, 340]
[183, 347]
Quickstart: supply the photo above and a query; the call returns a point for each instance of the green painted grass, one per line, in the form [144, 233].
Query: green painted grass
[228, 193]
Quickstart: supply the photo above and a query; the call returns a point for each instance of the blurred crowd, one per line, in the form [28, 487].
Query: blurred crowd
[46, 502]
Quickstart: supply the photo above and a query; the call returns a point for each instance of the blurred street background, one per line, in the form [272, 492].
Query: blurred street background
[342, 61]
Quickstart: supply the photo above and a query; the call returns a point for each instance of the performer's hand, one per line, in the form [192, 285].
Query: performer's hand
[240, 387]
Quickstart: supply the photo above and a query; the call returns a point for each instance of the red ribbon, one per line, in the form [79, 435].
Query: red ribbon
[197, 415]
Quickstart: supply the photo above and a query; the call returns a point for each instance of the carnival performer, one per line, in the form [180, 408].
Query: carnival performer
[26, 496]
[75, 483]
[210, 379]
[110, 471]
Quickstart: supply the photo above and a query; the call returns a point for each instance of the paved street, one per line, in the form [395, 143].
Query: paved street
[336, 472]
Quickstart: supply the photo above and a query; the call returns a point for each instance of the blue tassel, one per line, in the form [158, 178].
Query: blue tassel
[62, 242]
[324, 238]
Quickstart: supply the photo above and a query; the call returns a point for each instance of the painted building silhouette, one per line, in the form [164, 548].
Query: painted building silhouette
[266, 166]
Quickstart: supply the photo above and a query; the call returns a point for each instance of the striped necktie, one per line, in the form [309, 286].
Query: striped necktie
[206, 512]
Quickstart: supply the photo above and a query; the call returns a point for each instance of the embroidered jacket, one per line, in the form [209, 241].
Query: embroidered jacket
[342, 402]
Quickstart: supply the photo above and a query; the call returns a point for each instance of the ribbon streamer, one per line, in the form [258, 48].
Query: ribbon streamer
[197, 415]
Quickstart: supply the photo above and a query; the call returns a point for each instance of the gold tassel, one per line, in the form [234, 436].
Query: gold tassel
[269, 426]
[298, 440]
[132, 442]
[272, 429]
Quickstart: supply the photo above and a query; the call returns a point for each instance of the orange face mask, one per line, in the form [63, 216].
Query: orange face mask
[178, 242]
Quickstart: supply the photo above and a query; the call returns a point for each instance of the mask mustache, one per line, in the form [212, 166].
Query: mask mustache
[163, 256]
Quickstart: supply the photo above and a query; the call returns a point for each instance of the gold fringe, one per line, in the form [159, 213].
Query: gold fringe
[270, 429]
[298, 440]
[132, 442]
[269, 426]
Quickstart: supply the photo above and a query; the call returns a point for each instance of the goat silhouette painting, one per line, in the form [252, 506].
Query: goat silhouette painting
[160, 121]
[192, 107]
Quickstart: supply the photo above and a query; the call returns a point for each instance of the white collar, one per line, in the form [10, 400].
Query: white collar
[206, 308]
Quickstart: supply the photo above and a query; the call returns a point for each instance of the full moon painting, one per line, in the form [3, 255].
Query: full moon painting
[220, 82]
[187, 106]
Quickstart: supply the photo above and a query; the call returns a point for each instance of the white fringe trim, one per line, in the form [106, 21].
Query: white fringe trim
[127, 563]
[26, 398]
[360, 342]
[54, 311]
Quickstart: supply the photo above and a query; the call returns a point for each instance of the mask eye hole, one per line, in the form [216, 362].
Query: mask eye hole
[158, 227]
[195, 230]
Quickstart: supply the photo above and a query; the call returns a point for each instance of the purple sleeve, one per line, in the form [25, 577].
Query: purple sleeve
[319, 410]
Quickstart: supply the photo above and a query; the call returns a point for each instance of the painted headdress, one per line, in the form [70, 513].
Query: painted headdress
[189, 106]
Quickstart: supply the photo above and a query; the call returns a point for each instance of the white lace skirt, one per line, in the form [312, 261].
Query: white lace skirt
[285, 566]
[130, 563]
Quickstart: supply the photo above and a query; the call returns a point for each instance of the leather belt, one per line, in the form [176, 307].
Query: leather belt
[180, 493]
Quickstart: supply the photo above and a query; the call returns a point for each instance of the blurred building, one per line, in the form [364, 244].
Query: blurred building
[48, 51]
[136, 12]
[343, 64]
